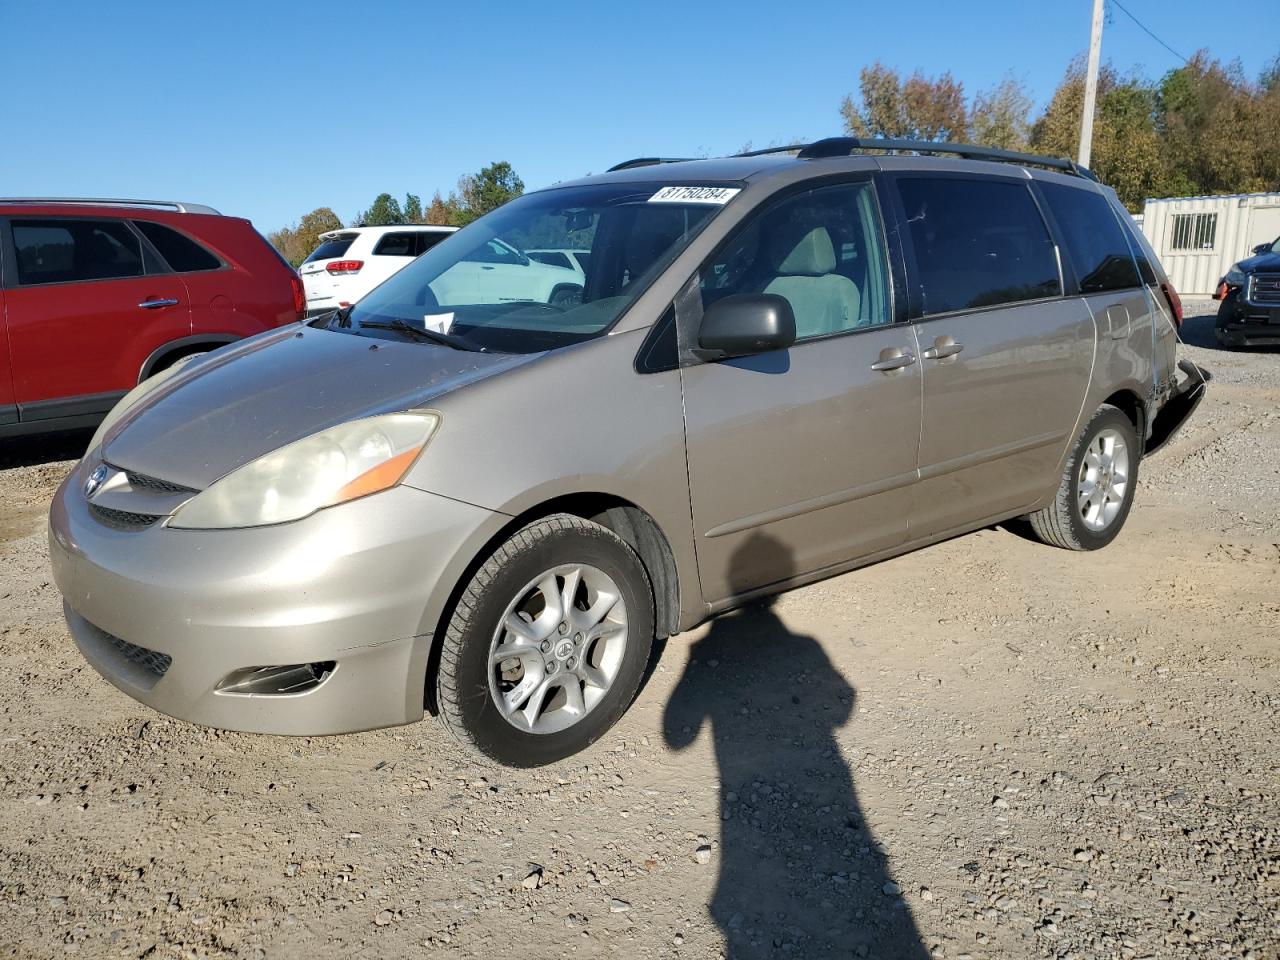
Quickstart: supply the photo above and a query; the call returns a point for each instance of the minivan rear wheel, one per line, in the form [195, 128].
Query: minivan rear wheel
[547, 644]
[1097, 487]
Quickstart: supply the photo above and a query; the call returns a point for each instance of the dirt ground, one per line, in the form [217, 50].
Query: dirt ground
[989, 748]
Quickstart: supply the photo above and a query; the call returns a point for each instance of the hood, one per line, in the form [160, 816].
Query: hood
[221, 412]
[1261, 261]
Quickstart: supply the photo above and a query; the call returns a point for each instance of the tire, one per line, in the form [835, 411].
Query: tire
[1067, 522]
[509, 584]
[1226, 311]
[565, 297]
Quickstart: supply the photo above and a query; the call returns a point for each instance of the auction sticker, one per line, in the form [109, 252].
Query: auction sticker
[717, 195]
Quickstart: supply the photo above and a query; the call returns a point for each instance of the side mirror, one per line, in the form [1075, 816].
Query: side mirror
[744, 324]
[1262, 248]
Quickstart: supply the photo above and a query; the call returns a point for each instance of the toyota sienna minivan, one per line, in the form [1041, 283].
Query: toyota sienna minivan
[780, 366]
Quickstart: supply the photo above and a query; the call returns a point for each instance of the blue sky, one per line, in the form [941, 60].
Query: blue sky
[270, 109]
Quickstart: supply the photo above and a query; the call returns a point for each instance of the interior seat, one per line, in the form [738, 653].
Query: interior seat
[803, 261]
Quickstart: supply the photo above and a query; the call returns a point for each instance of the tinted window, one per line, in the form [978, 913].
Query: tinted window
[550, 257]
[821, 249]
[584, 259]
[1096, 244]
[182, 254]
[329, 249]
[494, 251]
[61, 251]
[397, 245]
[978, 243]
[428, 240]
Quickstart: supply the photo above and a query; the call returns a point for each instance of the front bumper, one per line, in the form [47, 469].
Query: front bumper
[167, 615]
[1242, 324]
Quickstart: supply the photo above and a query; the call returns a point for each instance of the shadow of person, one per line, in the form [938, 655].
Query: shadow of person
[800, 875]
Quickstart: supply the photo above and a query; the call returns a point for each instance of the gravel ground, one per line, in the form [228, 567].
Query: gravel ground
[988, 748]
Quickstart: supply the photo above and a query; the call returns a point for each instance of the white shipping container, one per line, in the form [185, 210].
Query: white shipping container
[1199, 238]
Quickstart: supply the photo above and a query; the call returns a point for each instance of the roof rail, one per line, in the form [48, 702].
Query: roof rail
[646, 162]
[843, 146]
[173, 205]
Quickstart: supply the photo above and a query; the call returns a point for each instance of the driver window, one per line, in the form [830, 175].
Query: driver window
[823, 250]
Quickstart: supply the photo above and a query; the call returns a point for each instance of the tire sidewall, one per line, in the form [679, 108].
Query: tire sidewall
[1106, 417]
[485, 725]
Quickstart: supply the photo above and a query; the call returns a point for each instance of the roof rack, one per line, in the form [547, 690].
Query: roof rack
[843, 146]
[646, 162]
[173, 205]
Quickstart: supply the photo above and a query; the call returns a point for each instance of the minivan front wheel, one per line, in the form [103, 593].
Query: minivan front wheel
[1097, 487]
[547, 644]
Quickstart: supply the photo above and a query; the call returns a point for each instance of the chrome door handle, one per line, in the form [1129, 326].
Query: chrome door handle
[895, 362]
[157, 304]
[941, 349]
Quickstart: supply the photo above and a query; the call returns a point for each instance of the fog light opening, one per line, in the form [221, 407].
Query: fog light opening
[277, 681]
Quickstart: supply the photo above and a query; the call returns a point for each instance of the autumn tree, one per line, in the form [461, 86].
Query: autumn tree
[918, 108]
[439, 212]
[296, 243]
[1001, 117]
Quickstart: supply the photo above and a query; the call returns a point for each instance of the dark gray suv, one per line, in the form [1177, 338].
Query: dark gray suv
[465, 499]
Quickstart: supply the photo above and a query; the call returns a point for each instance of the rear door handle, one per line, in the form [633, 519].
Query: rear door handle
[157, 304]
[893, 359]
[942, 348]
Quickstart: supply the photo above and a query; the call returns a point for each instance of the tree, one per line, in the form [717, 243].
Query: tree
[412, 208]
[384, 212]
[487, 190]
[920, 108]
[296, 243]
[1000, 117]
[1126, 142]
[439, 213]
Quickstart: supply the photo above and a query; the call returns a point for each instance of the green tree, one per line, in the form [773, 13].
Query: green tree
[295, 243]
[412, 208]
[487, 190]
[384, 212]
[1001, 117]
[919, 108]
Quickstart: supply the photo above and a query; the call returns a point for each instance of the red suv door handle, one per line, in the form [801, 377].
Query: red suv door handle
[157, 304]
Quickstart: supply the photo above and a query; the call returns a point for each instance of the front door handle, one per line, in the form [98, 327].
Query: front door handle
[893, 359]
[157, 304]
[942, 348]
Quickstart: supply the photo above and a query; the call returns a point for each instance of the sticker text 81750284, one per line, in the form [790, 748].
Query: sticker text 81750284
[716, 195]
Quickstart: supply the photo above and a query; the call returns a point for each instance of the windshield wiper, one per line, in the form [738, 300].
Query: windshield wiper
[422, 333]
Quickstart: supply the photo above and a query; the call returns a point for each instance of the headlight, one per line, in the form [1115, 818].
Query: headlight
[1235, 276]
[124, 404]
[342, 463]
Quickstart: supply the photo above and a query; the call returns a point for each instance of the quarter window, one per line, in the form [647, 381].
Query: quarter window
[822, 250]
[978, 243]
[397, 245]
[1096, 243]
[182, 254]
[1194, 231]
[64, 251]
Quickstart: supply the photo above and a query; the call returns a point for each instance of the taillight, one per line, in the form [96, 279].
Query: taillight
[299, 295]
[339, 268]
[1175, 302]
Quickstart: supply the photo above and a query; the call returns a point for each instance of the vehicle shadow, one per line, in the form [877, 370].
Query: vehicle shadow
[45, 448]
[799, 872]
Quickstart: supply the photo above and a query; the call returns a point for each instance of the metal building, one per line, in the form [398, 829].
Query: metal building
[1199, 238]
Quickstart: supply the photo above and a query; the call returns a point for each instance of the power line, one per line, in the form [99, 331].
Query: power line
[1147, 31]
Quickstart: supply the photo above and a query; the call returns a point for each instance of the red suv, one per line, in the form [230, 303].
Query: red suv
[96, 295]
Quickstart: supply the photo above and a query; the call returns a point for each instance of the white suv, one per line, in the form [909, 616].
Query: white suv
[352, 261]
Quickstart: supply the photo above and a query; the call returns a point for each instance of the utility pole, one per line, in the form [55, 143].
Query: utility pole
[1091, 86]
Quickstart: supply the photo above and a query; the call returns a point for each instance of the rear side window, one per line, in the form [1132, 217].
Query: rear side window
[397, 245]
[978, 243]
[428, 240]
[182, 254]
[331, 248]
[1096, 244]
[65, 251]
[552, 258]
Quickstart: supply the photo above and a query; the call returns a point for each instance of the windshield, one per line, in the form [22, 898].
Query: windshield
[481, 289]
